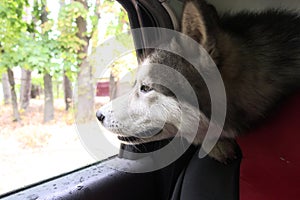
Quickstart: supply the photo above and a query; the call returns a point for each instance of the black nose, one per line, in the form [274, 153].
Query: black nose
[100, 116]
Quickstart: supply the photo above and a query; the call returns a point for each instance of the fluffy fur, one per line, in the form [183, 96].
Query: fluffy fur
[258, 56]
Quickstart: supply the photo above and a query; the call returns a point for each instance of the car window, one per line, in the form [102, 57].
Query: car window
[46, 48]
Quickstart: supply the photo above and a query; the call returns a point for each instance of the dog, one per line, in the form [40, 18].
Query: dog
[257, 55]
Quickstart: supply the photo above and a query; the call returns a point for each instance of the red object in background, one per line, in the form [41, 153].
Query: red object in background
[270, 168]
[102, 89]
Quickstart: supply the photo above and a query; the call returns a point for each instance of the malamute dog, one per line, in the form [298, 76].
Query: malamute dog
[257, 55]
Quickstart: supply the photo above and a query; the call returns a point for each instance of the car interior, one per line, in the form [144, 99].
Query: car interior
[267, 164]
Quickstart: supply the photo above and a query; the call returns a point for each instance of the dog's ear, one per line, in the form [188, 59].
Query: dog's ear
[200, 22]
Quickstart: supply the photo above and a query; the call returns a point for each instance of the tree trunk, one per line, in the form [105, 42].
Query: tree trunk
[35, 91]
[48, 92]
[25, 89]
[48, 87]
[11, 79]
[6, 89]
[68, 94]
[113, 87]
[57, 89]
[85, 91]
[85, 99]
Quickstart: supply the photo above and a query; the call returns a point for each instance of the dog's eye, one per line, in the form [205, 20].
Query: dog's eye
[146, 88]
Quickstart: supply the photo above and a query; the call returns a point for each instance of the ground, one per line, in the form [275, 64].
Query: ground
[31, 151]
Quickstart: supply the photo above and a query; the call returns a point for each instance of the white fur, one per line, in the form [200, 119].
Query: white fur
[136, 113]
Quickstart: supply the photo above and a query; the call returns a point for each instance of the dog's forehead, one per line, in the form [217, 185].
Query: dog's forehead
[151, 72]
[143, 73]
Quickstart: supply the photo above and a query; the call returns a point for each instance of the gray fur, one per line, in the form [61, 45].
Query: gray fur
[258, 56]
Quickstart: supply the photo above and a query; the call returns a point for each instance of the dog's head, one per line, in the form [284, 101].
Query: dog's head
[152, 110]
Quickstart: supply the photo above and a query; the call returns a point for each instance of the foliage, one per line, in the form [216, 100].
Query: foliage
[118, 24]
[117, 27]
[11, 30]
[68, 38]
[52, 46]
[26, 44]
[37, 80]
[40, 50]
[70, 44]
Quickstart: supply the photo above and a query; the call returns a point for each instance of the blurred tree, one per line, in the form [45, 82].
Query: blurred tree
[25, 88]
[68, 93]
[6, 89]
[52, 49]
[48, 87]
[40, 51]
[85, 86]
[70, 45]
[25, 73]
[29, 45]
[67, 84]
[86, 26]
[11, 31]
[116, 27]
[113, 85]
[11, 80]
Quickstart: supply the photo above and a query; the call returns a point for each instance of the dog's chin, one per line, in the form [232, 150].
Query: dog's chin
[128, 139]
[151, 135]
[139, 140]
